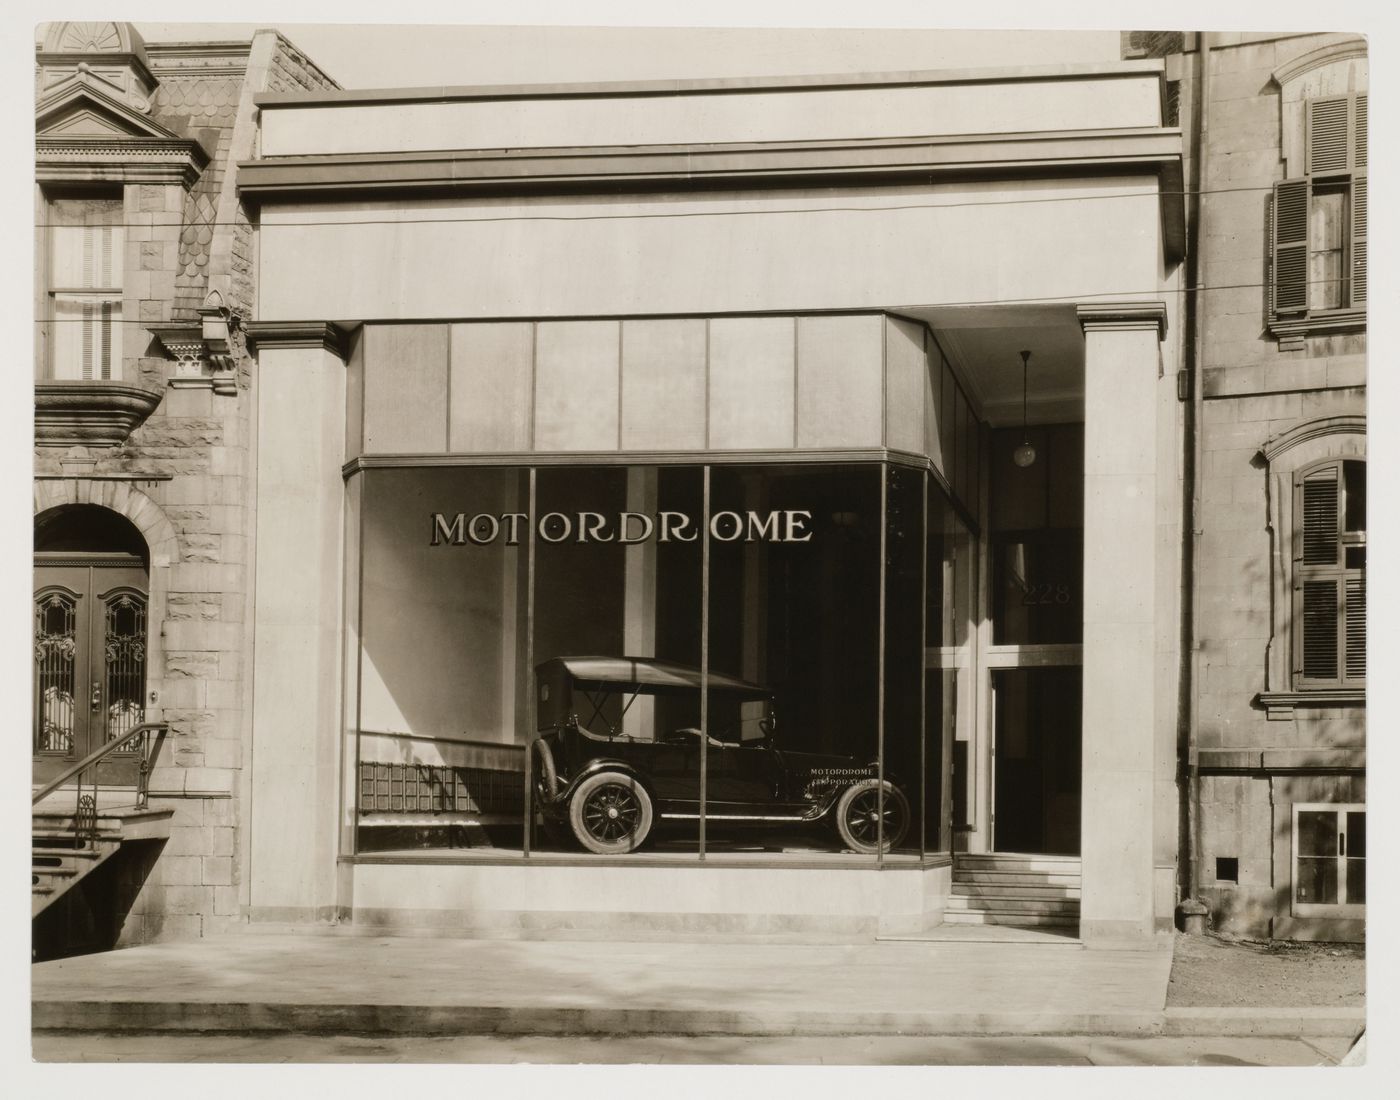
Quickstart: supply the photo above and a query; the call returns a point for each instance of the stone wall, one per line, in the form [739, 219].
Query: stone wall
[1253, 392]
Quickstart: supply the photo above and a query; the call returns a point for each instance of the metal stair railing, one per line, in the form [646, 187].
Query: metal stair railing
[151, 736]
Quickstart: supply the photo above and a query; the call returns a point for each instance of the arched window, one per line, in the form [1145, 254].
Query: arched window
[1317, 517]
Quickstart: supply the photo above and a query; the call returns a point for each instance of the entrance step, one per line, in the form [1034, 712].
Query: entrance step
[1016, 878]
[1033, 888]
[1016, 920]
[1061, 907]
[1017, 861]
[1015, 888]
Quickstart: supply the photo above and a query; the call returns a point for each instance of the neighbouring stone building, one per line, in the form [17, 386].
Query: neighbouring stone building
[1276, 127]
[143, 454]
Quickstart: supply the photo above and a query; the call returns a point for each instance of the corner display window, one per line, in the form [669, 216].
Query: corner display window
[534, 675]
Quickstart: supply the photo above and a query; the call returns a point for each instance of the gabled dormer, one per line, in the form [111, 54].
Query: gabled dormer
[112, 184]
[92, 122]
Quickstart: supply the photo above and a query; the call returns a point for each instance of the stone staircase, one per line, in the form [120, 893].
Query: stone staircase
[1014, 889]
[62, 859]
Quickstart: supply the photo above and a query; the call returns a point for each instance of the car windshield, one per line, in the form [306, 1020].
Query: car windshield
[640, 714]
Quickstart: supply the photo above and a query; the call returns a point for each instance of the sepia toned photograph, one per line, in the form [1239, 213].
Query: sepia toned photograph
[699, 545]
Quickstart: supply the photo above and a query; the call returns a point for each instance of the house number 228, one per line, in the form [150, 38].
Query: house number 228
[1038, 594]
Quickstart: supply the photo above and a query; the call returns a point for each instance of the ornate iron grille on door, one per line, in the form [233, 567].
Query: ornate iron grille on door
[124, 647]
[55, 644]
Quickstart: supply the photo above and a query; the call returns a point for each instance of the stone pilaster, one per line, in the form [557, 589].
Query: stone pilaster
[1121, 371]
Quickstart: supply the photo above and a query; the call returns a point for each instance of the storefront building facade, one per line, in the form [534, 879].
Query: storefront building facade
[554, 379]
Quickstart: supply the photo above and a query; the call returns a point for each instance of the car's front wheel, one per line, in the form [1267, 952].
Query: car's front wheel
[610, 813]
[865, 823]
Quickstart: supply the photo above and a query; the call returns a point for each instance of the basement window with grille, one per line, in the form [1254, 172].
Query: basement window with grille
[1318, 255]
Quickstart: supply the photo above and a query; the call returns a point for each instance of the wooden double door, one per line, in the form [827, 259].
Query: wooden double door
[90, 644]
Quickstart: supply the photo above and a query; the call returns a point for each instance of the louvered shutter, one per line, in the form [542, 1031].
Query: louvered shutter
[1359, 132]
[1356, 628]
[1319, 634]
[1358, 202]
[1320, 501]
[1318, 580]
[1329, 585]
[1290, 218]
[1358, 239]
[1329, 136]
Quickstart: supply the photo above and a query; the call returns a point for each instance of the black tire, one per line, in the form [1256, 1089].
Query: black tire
[546, 775]
[610, 813]
[857, 816]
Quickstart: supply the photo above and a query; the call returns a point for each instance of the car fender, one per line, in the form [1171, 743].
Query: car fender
[603, 764]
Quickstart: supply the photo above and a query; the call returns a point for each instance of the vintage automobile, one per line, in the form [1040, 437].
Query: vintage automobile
[619, 754]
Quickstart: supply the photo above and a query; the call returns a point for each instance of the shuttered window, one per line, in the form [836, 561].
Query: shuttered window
[1330, 575]
[85, 262]
[1319, 220]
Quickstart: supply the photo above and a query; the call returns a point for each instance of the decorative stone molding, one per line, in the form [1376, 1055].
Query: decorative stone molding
[85, 133]
[1313, 429]
[298, 334]
[205, 352]
[198, 58]
[79, 411]
[1103, 316]
[1292, 332]
[110, 54]
[1280, 705]
[1323, 55]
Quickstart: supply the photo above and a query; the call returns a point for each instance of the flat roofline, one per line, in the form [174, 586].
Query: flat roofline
[358, 97]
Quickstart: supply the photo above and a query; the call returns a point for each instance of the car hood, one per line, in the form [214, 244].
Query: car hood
[809, 761]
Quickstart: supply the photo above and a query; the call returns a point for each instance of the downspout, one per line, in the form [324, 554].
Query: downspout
[1192, 910]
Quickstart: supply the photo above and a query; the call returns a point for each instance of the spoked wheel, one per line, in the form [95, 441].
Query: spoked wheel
[858, 817]
[610, 813]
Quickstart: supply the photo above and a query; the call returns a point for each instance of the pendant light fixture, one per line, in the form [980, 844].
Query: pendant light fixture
[1024, 455]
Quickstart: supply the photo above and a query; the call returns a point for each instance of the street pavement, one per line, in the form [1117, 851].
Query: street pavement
[1076, 1050]
[348, 984]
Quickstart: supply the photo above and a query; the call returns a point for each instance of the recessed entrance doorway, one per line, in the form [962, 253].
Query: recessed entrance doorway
[91, 596]
[1037, 713]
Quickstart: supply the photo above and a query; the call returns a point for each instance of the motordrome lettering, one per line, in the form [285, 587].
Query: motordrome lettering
[485, 528]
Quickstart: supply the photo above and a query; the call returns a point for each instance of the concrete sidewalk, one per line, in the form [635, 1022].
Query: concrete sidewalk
[330, 983]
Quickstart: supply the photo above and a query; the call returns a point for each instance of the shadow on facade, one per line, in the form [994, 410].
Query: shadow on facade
[90, 917]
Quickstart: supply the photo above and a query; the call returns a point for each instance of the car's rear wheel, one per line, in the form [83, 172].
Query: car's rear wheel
[610, 813]
[864, 824]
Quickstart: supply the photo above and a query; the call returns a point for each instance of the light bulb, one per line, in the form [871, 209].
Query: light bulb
[1024, 455]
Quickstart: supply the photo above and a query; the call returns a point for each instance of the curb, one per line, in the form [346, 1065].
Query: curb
[1286, 1023]
[202, 1016]
[440, 1019]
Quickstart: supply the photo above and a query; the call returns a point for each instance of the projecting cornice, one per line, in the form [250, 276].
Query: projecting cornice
[261, 335]
[850, 162]
[1103, 316]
